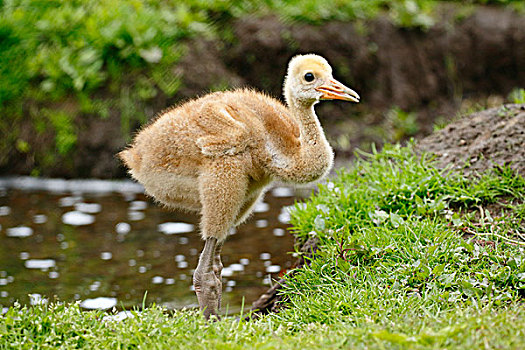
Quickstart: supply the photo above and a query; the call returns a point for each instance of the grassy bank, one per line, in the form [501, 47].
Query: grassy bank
[409, 256]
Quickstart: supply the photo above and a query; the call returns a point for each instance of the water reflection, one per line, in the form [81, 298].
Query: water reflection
[105, 243]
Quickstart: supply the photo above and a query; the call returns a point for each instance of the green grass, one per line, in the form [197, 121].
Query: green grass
[410, 256]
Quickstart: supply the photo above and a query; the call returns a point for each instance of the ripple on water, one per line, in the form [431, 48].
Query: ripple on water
[100, 303]
[42, 264]
[77, 218]
[19, 231]
[170, 228]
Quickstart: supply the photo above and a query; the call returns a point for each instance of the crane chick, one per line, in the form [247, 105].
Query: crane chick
[217, 154]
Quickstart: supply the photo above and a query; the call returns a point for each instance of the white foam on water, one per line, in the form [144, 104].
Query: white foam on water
[19, 231]
[170, 228]
[106, 255]
[284, 217]
[5, 210]
[40, 219]
[122, 227]
[77, 218]
[261, 207]
[42, 264]
[100, 303]
[69, 201]
[282, 192]
[157, 280]
[89, 208]
[261, 223]
[28, 183]
[278, 232]
[231, 283]
[265, 256]
[135, 215]
[237, 267]
[227, 272]
[95, 286]
[273, 268]
[138, 205]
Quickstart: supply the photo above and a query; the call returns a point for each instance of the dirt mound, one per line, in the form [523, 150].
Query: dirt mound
[481, 140]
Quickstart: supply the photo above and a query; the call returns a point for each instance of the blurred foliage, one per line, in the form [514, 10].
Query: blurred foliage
[517, 96]
[104, 56]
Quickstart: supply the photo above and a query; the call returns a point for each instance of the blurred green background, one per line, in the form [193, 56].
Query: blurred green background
[78, 77]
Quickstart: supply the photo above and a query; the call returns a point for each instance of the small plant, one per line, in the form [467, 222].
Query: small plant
[517, 96]
[401, 124]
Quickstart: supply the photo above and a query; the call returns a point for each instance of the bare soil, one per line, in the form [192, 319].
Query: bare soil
[482, 140]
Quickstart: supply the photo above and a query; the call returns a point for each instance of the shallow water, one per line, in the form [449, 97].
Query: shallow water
[106, 244]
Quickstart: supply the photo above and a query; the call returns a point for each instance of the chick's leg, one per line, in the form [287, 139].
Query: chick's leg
[206, 281]
[223, 190]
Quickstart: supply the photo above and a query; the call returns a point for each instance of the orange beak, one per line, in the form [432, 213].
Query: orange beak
[334, 90]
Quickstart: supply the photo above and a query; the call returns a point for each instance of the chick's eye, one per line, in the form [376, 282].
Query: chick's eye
[309, 77]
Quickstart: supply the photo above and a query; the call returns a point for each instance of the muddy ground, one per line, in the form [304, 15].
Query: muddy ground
[465, 55]
[480, 141]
